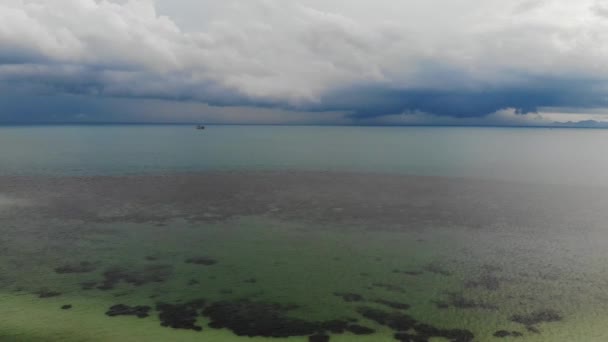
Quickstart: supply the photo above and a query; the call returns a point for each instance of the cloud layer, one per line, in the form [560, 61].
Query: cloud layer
[459, 59]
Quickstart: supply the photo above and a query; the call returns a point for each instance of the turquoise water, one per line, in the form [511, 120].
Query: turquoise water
[454, 234]
[536, 155]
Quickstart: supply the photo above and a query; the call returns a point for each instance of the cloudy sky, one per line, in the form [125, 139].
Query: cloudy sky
[444, 62]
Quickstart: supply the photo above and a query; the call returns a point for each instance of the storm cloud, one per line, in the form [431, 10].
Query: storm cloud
[456, 59]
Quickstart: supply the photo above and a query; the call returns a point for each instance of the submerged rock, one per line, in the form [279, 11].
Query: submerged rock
[140, 311]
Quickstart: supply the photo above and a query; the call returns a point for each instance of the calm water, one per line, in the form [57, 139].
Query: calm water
[166, 233]
[539, 155]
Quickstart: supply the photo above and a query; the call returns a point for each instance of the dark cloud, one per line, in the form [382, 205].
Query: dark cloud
[526, 98]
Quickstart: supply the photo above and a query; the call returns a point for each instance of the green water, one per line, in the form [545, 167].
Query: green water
[293, 264]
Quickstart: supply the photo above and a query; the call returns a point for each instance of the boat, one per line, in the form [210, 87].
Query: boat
[200, 127]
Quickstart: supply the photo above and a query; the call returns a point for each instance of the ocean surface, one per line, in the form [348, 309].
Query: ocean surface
[272, 233]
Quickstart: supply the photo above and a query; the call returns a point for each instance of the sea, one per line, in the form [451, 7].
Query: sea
[303, 233]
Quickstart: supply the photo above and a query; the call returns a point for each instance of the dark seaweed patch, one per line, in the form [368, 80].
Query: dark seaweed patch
[389, 287]
[532, 329]
[336, 326]
[149, 274]
[486, 281]
[395, 320]
[457, 300]
[205, 261]
[504, 333]
[349, 297]
[88, 285]
[393, 304]
[441, 304]
[360, 330]
[403, 323]
[437, 269]
[45, 293]
[180, 316]
[318, 338]
[246, 318]
[410, 273]
[537, 317]
[140, 311]
[407, 337]
[81, 267]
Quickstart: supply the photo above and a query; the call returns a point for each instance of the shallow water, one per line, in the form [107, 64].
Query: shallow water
[479, 254]
[447, 248]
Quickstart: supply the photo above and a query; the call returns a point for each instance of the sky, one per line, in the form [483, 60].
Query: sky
[386, 62]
